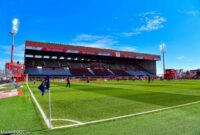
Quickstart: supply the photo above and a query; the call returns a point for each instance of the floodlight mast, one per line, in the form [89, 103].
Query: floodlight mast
[13, 32]
[163, 50]
[12, 49]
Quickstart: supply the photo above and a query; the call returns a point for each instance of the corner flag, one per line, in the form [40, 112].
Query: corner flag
[45, 85]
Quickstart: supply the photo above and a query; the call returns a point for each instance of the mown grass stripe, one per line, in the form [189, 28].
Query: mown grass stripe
[125, 116]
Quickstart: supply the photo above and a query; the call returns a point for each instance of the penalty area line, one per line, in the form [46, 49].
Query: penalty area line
[126, 116]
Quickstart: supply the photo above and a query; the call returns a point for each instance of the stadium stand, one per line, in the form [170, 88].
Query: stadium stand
[120, 72]
[101, 72]
[60, 72]
[66, 60]
[80, 72]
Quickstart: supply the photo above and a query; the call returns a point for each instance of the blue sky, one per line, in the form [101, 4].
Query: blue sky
[131, 25]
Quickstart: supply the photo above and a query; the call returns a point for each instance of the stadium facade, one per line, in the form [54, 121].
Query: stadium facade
[60, 60]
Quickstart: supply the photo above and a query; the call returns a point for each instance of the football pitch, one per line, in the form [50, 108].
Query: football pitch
[101, 101]
[107, 107]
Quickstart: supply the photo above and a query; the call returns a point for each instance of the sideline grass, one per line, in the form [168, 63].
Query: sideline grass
[19, 113]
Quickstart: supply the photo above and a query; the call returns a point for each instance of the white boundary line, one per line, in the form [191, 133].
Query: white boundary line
[1, 87]
[74, 121]
[39, 108]
[126, 116]
[3, 84]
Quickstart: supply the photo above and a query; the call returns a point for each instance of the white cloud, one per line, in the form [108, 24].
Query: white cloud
[2, 63]
[181, 57]
[4, 60]
[190, 12]
[127, 48]
[97, 41]
[151, 21]
[184, 58]
[18, 50]
[6, 50]
[87, 37]
[89, 40]
[190, 60]
[128, 34]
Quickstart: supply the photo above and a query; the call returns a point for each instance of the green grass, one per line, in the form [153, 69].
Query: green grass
[19, 113]
[99, 100]
[181, 121]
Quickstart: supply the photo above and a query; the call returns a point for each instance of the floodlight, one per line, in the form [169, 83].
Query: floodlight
[13, 32]
[15, 26]
[163, 47]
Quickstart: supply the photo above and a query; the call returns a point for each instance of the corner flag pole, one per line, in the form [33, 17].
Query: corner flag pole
[45, 85]
[50, 125]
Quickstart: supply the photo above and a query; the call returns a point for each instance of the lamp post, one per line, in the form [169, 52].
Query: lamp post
[13, 32]
[163, 50]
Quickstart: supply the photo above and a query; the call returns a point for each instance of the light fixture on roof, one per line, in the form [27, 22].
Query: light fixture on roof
[39, 67]
[46, 57]
[54, 57]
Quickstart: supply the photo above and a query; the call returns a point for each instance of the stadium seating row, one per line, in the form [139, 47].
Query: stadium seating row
[83, 68]
[76, 64]
[57, 72]
[85, 72]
